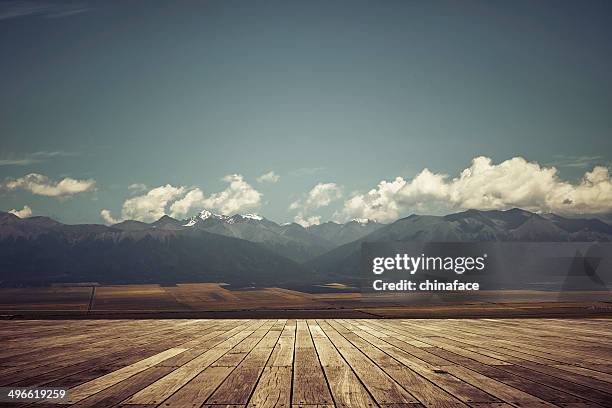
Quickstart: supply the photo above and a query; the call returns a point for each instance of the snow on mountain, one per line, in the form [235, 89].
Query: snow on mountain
[43, 251]
[207, 218]
[203, 216]
[296, 245]
[236, 218]
[363, 221]
[252, 217]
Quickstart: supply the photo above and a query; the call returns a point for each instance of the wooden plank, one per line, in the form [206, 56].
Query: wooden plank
[199, 389]
[382, 387]
[282, 355]
[124, 389]
[273, 388]
[588, 372]
[563, 385]
[101, 383]
[438, 376]
[237, 388]
[437, 362]
[498, 389]
[345, 387]
[86, 358]
[166, 386]
[500, 374]
[587, 381]
[309, 384]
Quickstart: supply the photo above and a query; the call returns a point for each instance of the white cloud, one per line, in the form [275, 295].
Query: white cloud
[307, 221]
[23, 213]
[238, 196]
[484, 185]
[108, 218]
[193, 199]
[269, 177]
[138, 187]
[147, 207]
[41, 185]
[321, 195]
[180, 201]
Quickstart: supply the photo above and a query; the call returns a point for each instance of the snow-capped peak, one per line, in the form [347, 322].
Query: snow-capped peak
[243, 217]
[192, 221]
[203, 216]
[207, 214]
[363, 221]
[255, 217]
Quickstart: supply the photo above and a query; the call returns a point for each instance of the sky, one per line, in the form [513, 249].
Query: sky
[304, 111]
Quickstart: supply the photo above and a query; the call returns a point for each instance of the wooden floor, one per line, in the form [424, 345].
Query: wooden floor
[314, 363]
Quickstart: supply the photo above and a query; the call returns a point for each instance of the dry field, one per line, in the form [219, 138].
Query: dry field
[211, 300]
[314, 363]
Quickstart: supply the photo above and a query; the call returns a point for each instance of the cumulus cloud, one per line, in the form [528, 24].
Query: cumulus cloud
[486, 186]
[307, 221]
[147, 207]
[193, 199]
[180, 201]
[41, 185]
[108, 217]
[269, 177]
[321, 195]
[238, 196]
[26, 211]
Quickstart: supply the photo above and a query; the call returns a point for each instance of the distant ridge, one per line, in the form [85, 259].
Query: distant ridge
[33, 252]
[245, 249]
[289, 240]
[471, 225]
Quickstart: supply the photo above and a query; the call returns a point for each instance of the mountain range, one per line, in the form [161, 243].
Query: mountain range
[514, 225]
[289, 240]
[245, 249]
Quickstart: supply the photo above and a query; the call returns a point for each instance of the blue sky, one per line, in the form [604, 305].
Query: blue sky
[343, 95]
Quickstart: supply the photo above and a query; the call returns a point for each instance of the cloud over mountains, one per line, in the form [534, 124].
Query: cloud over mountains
[25, 212]
[321, 195]
[485, 186]
[239, 195]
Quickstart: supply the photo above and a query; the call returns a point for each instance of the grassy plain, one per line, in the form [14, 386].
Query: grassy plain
[217, 300]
